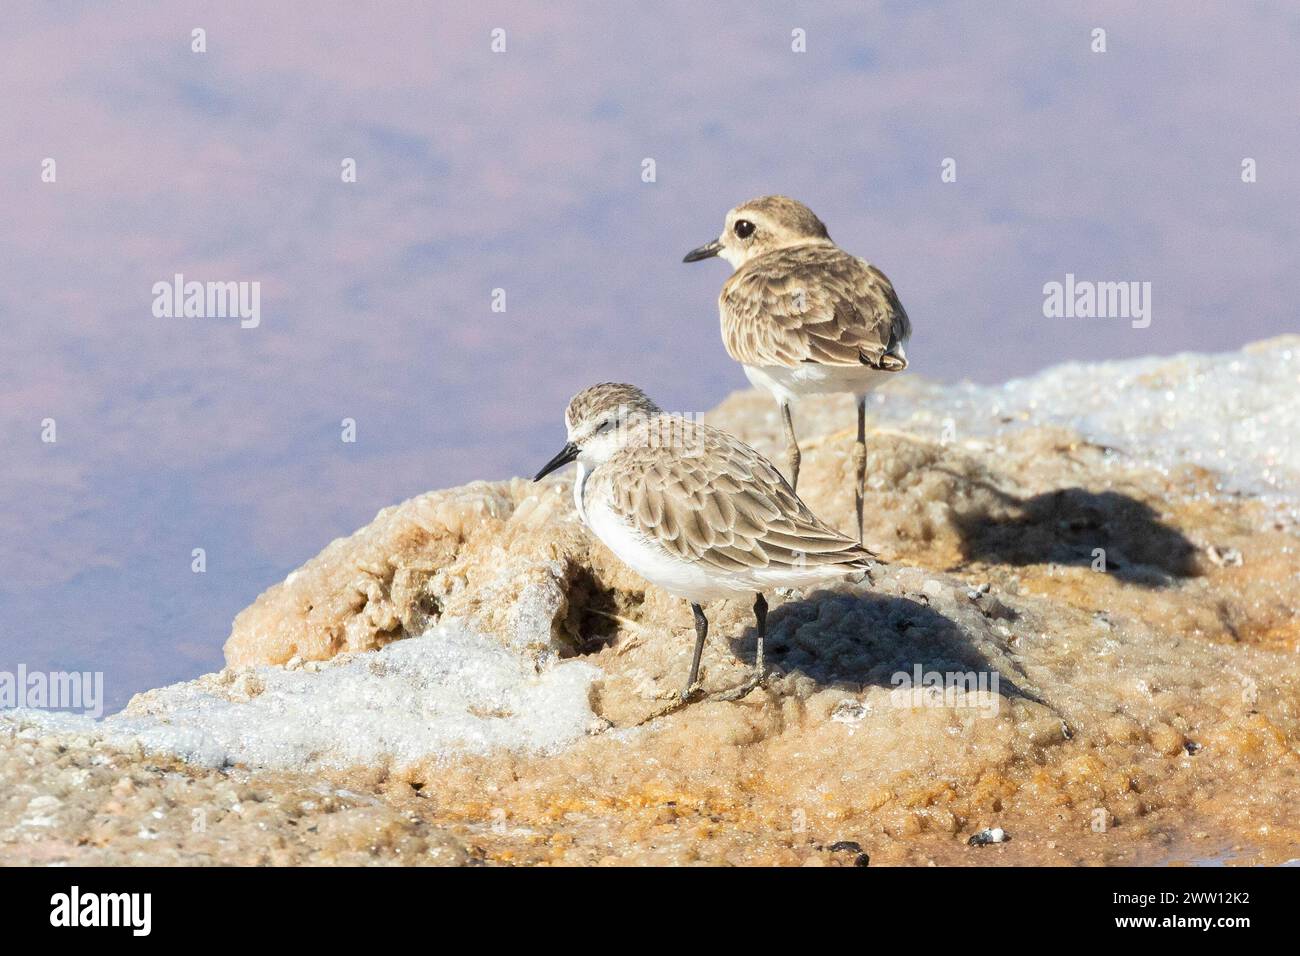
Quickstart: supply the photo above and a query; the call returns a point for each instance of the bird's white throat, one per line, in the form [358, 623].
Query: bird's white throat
[579, 489]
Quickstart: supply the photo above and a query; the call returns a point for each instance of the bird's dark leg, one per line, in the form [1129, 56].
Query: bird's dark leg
[701, 632]
[791, 446]
[760, 669]
[860, 459]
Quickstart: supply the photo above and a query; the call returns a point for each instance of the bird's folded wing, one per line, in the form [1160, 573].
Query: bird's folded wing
[813, 303]
[717, 501]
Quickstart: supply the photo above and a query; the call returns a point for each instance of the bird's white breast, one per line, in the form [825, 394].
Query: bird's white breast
[679, 577]
[809, 378]
[691, 580]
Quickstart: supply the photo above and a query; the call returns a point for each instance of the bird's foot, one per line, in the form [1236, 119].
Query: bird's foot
[736, 693]
[675, 703]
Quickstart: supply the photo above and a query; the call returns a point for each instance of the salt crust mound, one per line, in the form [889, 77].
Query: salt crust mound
[1113, 544]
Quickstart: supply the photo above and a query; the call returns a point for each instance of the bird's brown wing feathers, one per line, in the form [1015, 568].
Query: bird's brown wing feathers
[711, 498]
[813, 303]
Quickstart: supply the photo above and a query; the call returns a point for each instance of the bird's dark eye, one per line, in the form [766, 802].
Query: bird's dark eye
[744, 228]
[604, 426]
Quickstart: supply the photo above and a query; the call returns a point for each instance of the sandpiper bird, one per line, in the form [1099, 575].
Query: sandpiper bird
[803, 316]
[694, 510]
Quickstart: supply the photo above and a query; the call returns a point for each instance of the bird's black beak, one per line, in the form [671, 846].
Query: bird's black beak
[706, 251]
[567, 454]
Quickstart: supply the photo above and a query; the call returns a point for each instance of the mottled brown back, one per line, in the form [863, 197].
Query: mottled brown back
[705, 496]
[813, 303]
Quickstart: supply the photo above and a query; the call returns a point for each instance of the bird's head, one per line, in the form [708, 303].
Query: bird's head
[759, 226]
[597, 422]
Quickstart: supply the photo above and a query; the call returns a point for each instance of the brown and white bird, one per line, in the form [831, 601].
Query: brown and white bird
[694, 510]
[803, 316]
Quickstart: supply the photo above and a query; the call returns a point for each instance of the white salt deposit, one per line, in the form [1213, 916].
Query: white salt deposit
[449, 691]
[1235, 412]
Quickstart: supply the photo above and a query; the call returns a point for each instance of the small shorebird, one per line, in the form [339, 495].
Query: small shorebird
[803, 316]
[694, 510]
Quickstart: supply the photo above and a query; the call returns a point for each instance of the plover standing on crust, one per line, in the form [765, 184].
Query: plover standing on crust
[803, 316]
[694, 510]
